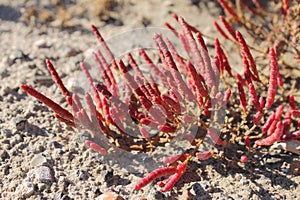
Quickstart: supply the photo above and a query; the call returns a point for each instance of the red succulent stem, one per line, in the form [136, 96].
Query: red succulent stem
[228, 9]
[154, 68]
[257, 117]
[254, 97]
[220, 30]
[168, 60]
[279, 112]
[273, 79]
[226, 96]
[58, 81]
[222, 58]
[102, 65]
[51, 104]
[107, 73]
[201, 90]
[250, 8]
[242, 97]
[274, 137]
[173, 159]
[211, 79]
[196, 55]
[272, 128]
[91, 83]
[130, 80]
[96, 117]
[106, 111]
[258, 4]
[215, 136]
[292, 102]
[295, 134]
[247, 142]
[295, 113]
[268, 123]
[279, 80]
[166, 128]
[228, 27]
[80, 113]
[261, 102]
[165, 171]
[68, 122]
[171, 28]
[144, 132]
[240, 79]
[175, 177]
[176, 55]
[105, 47]
[244, 158]
[174, 106]
[95, 147]
[247, 54]
[285, 7]
[203, 155]
[287, 121]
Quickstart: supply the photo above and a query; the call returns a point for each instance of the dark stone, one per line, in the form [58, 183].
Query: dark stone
[20, 123]
[82, 175]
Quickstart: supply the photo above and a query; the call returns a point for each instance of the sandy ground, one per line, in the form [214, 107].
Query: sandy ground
[41, 158]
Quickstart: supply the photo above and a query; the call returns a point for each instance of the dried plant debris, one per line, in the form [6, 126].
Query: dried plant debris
[63, 13]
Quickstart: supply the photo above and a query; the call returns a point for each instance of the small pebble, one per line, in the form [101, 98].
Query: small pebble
[109, 196]
[82, 175]
[6, 132]
[56, 144]
[238, 177]
[68, 52]
[43, 174]
[244, 181]
[61, 196]
[197, 189]
[205, 185]
[107, 175]
[20, 123]
[26, 189]
[185, 195]
[4, 155]
[38, 160]
[16, 54]
[41, 43]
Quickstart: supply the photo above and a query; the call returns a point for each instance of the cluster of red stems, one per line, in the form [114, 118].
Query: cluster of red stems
[186, 81]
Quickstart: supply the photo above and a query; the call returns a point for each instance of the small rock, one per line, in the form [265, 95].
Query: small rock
[107, 175]
[6, 132]
[82, 175]
[38, 160]
[41, 43]
[185, 195]
[43, 174]
[295, 167]
[109, 196]
[20, 123]
[168, 3]
[238, 177]
[4, 155]
[205, 185]
[56, 145]
[17, 54]
[68, 52]
[61, 196]
[244, 181]
[6, 169]
[197, 189]
[26, 189]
